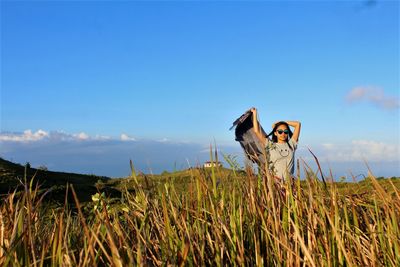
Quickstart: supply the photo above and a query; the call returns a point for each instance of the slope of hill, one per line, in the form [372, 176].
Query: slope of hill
[12, 175]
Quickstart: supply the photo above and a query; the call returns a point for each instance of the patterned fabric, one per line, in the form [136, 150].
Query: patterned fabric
[245, 135]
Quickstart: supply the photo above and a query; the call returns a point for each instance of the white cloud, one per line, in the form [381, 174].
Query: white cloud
[356, 94]
[125, 137]
[360, 150]
[81, 136]
[328, 145]
[373, 95]
[26, 136]
[40, 135]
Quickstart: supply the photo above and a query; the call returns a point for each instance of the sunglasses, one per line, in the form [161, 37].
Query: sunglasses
[283, 131]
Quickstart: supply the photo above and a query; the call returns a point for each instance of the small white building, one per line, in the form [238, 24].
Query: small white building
[209, 164]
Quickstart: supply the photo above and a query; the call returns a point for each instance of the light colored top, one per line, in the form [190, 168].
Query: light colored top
[281, 157]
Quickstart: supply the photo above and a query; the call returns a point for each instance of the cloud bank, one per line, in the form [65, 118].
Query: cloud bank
[105, 155]
[356, 157]
[40, 135]
[374, 95]
[26, 136]
[361, 150]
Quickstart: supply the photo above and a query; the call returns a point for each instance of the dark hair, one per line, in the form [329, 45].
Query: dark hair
[274, 138]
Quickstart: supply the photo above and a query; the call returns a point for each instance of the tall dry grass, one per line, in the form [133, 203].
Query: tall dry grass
[216, 222]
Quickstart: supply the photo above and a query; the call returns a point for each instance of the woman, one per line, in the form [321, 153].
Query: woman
[282, 146]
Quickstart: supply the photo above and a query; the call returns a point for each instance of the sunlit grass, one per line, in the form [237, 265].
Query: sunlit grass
[213, 217]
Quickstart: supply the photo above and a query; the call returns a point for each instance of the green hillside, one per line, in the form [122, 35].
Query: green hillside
[12, 177]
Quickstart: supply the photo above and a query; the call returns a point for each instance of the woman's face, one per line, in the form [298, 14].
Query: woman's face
[282, 133]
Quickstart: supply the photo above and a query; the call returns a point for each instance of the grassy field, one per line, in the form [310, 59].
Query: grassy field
[197, 217]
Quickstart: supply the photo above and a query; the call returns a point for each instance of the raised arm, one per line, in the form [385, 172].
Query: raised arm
[296, 125]
[256, 126]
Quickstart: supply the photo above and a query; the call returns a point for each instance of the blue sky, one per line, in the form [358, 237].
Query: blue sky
[99, 82]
